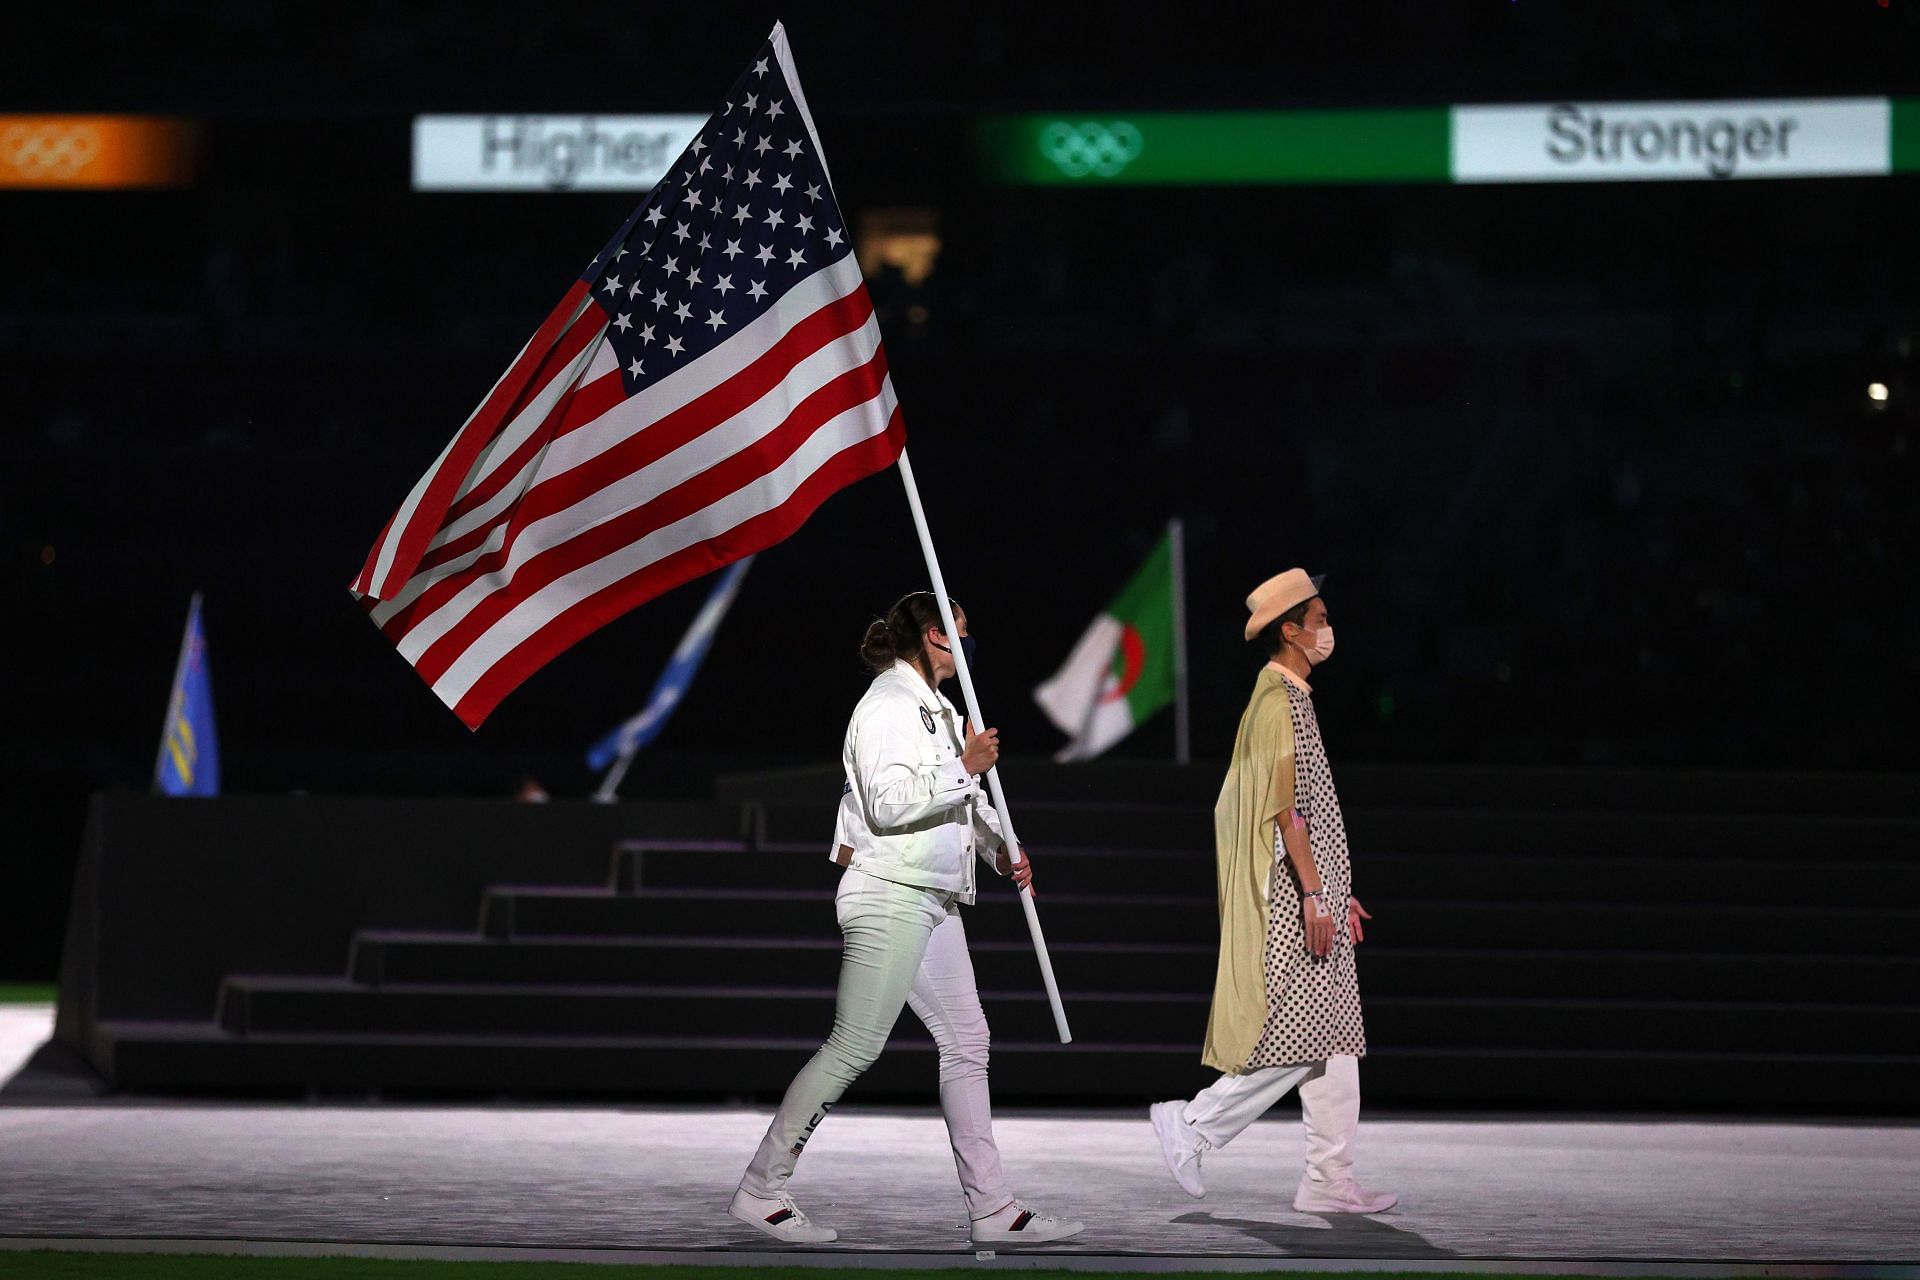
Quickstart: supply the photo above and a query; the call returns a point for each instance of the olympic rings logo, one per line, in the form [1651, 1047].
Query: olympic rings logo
[1090, 149]
[49, 151]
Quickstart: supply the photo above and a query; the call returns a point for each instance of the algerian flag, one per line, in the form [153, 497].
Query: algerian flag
[1125, 667]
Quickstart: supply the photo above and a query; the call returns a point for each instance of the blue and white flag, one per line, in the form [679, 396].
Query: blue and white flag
[677, 678]
[189, 763]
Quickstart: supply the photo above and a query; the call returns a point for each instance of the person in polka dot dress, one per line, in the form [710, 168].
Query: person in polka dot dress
[1293, 1019]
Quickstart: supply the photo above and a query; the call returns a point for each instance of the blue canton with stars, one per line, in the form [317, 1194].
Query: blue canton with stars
[741, 217]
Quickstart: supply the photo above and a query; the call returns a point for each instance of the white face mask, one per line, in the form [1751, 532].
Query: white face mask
[1322, 647]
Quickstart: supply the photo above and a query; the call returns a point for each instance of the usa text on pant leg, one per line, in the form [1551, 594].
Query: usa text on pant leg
[886, 928]
[1221, 1110]
[947, 999]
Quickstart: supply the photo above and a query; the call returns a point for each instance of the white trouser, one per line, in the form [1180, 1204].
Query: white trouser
[1329, 1104]
[904, 945]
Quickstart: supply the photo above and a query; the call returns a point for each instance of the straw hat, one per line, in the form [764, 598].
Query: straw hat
[1277, 595]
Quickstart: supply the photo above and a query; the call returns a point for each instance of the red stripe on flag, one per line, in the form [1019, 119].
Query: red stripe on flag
[573, 410]
[431, 511]
[853, 388]
[683, 425]
[856, 462]
[363, 584]
[579, 407]
[831, 322]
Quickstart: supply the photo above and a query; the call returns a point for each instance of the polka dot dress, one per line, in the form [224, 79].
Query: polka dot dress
[1313, 1004]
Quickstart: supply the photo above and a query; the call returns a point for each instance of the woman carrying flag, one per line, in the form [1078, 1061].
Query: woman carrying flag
[912, 819]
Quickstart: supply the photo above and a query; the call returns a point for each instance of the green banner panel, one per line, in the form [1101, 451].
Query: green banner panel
[1905, 143]
[1221, 148]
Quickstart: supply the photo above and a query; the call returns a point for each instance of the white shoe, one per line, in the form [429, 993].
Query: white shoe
[1181, 1144]
[779, 1217]
[1342, 1197]
[1023, 1224]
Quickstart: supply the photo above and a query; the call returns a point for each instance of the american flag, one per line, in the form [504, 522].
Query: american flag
[713, 377]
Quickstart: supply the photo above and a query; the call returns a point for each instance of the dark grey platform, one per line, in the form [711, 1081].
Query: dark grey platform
[1561, 941]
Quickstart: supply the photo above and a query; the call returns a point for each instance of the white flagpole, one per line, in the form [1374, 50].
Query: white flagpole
[980, 723]
[609, 789]
[1182, 741]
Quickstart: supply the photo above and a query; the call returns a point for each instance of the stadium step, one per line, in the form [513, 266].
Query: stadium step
[1826, 929]
[256, 1006]
[201, 1058]
[1648, 878]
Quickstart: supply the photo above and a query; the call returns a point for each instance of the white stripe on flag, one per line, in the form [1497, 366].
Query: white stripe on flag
[516, 434]
[861, 422]
[683, 386]
[396, 532]
[826, 286]
[715, 445]
[536, 411]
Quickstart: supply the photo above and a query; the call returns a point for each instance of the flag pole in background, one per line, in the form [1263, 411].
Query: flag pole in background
[980, 723]
[624, 743]
[1182, 733]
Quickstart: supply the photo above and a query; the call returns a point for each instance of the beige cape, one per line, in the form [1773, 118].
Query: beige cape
[1257, 790]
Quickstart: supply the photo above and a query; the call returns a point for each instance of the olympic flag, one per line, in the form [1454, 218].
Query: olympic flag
[712, 378]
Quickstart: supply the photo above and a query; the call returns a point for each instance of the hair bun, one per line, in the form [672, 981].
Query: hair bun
[877, 647]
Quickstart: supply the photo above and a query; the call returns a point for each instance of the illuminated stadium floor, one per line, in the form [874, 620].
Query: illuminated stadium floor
[658, 1179]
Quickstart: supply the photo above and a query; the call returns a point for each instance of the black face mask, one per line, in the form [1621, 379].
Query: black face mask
[967, 650]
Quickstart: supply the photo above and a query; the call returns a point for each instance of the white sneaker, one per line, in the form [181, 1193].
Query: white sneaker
[1342, 1197]
[1020, 1223]
[779, 1217]
[1181, 1144]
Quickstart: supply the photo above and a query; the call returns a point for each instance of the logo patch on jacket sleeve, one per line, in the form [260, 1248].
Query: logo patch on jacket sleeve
[926, 718]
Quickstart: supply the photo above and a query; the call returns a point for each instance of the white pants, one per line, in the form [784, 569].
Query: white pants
[1329, 1104]
[904, 945]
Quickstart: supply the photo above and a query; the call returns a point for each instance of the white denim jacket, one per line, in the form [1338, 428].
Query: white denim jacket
[910, 812]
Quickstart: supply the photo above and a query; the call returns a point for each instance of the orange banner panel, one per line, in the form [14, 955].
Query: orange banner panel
[96, 152]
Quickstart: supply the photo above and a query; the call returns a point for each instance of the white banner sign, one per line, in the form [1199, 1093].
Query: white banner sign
[546, 153]
[1637, 141]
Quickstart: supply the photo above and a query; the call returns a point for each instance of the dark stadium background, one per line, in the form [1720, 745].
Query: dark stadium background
[1592, 467]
